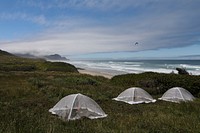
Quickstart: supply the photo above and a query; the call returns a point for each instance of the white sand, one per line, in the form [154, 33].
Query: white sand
[95, 73]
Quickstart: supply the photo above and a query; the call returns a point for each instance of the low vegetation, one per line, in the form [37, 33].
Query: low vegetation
[27, 95]
[10, 62]
[157, 84]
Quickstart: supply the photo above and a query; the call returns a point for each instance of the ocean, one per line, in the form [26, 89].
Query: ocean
[116, 67]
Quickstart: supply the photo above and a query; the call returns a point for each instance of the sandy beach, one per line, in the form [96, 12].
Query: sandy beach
[95, 73]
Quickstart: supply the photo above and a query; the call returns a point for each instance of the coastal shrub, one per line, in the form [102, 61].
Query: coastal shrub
[60, 66]
[18, 67]
[9, 62]
[81, 80]
[158, 83]
[37, 82]
[191, 83]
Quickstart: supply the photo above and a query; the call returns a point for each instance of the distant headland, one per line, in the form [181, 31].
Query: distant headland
[47, 57]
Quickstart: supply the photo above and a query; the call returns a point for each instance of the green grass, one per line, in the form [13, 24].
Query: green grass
[26, 97]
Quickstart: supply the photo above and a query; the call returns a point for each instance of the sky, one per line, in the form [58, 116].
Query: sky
[101, 28]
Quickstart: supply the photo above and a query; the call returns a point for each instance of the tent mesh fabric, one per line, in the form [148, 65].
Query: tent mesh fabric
[135, 95]
[76, 106]
[177, 94]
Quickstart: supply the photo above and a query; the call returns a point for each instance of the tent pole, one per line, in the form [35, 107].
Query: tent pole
[72, 106]
[181, 94]
[133, 99]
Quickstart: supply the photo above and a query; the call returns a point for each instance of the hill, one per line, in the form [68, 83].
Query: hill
[4, 53]
[27, 95]
[55, 57]
[47, 57]
[9, 62]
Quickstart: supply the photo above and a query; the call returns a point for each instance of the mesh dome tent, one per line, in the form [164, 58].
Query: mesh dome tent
[135, 95]
[75, 106]
[177, 94]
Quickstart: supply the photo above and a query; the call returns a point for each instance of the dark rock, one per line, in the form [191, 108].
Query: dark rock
[182, 71]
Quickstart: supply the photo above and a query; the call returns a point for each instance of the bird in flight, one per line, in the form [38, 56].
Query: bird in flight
[136, 43]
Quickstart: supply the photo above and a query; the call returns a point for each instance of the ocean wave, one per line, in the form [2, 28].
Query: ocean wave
[190, 66]
[135, 67]
[133, 63]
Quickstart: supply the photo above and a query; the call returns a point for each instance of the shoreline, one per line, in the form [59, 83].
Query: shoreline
[113, 67]
[95, 73]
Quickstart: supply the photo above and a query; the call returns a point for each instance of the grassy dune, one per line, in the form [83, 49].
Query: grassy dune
[27, 95]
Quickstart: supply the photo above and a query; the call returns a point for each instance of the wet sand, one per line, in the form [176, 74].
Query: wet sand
[95, 73]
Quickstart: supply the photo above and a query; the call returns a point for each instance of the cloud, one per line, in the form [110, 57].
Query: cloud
[63, 4]
[79, 42]
[114, 5]
[69, 37]
[39, 19]
[154, 24]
